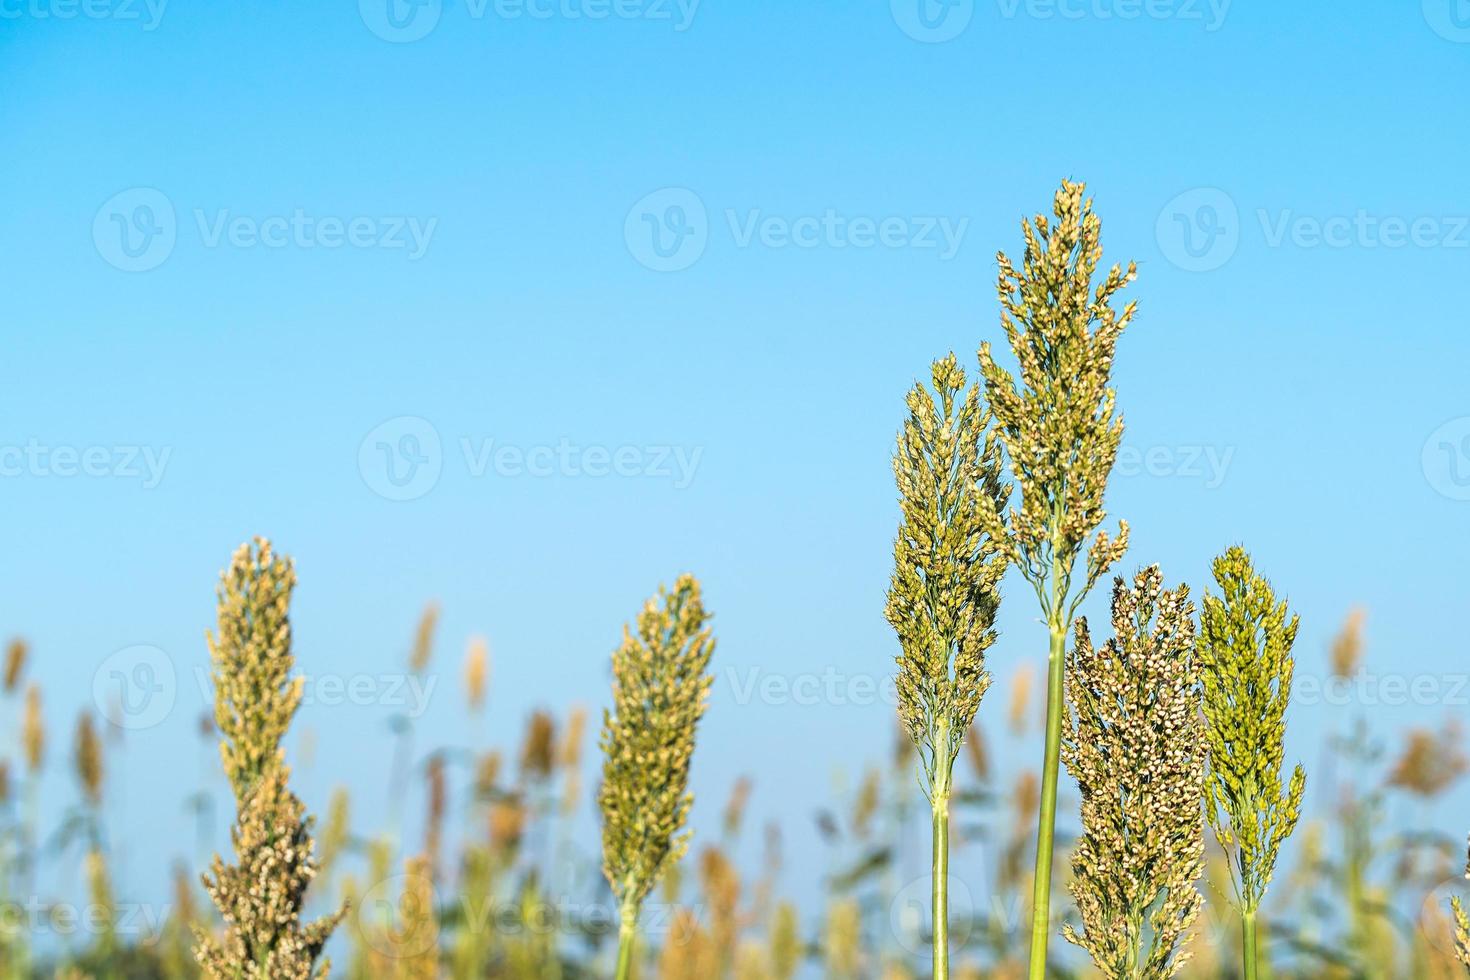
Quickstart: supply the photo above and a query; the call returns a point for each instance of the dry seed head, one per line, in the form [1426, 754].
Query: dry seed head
[487, 772]
[4, 782]
[786, 945]
[943, 595]
[88, 759]
[1462, 925]
[976, 752]
[33, 730]
[661, 685]
[337, 830]
[844, 939]
[1058, 428]
[1245, 663]
[1020, 698]
[1347, 646]
[735, 806]
[1134, 743]
[866, 805]
[438, 805]
[1431, 762]
[476, 672]
[538, 750]
[415, 936]
[15, 662]
[423, 638]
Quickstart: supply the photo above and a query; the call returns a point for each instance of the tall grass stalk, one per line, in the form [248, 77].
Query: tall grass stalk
[943, 597]
[1060, 436]
[1246, 670]
[660, 689]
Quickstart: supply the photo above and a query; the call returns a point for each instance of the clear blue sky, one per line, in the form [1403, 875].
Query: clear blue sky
[208, 253]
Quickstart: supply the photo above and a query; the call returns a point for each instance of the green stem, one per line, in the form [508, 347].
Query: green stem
[941, 886]
[627, 939]
[1046, 823]
[1248, 943]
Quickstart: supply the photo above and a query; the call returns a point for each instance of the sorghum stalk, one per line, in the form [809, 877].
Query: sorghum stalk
[1246, 669]
[660, 688]
[943, 598]
[262, 896]
[1060, 436]
[1134, 743]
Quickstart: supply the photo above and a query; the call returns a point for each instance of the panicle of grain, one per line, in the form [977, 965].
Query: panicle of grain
[751, 962]
[734, 813]
[415, 937]
[4, 782]
[660, 689]
[102, 915]
[844, 939]
[688, 953]
[476, 672]
[1020, 701]
[538, 749]
[507, 827]
[33, 730]
[786, 944]
[720, 884]
[1134, 743]
[569, 758]
[1246, 666]
[336, 831]
[1462, 924]
[865, 807]
[87, 756]
[1347, 646]
[260, 897]
[943, 595]
[977, 754]
[487, 773]
[1431, 761]
[423, 638]
[15, 662]
[438, 804]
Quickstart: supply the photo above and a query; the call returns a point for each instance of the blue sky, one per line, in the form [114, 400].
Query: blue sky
[247, 244]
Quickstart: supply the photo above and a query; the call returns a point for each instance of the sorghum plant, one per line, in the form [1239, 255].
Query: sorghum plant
[260, 897]
[943, 598]
[1246, 668]
[1135, 744]
[660, 688]
[1462, 925]
[1060, 435]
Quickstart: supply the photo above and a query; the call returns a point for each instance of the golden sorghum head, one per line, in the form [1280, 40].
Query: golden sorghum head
[414, 939]
[721, 886]
[1020, 698]
[1347, 646]
[660, 688]
[943, 595]
[337, 830]
[1134, 743]
[507, 825]
[33, 730]
[255, 696]
[4, 782]
[976, 752]
[1245, 663]
[1431, 762]
[487, 772]
[786, 944]
[1058, 428]
[262, 895]
[538, 750]
[1462, 925]
[734, 814]
[476, 672]
[438, 805]
[569, 757]
[865, 807]
[15, 662]
[88, 758]
[423, 638]
[844, 940]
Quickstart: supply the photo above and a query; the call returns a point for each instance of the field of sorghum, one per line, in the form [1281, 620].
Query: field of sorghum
[1168, 724]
